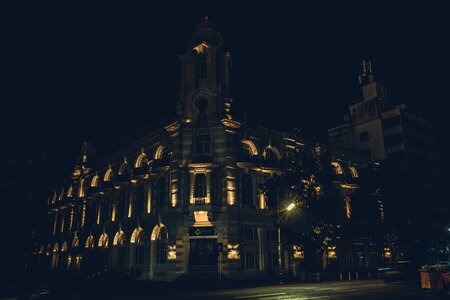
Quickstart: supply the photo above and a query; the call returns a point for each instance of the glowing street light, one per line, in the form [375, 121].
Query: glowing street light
[290, 206]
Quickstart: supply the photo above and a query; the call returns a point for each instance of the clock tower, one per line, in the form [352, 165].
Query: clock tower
[205, 69]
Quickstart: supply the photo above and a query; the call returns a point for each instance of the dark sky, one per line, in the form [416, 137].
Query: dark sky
[100, 72]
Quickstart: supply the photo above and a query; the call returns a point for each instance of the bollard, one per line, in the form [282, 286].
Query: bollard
[340, 276]
[356, 276]
[368, 275]
[349, 276]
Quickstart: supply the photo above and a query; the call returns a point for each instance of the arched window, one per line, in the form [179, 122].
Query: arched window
[161, 192]
[159, 152]
[160, 235]
[337, 168]
[89, 242]
[353, 172]
[137, 236]
[124, 168]
[140, 199]
[200, 186]
[55, 256]
[141, 160]
[137, 249]
[103, 241]
[94, 181]
[64, 247]
[70, 192]
[75, 241]
[271, 153]
[249, 148]
[247, 191]
[119, 238]
[108, 175]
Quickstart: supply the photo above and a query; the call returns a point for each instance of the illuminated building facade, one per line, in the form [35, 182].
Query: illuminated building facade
[166, 206]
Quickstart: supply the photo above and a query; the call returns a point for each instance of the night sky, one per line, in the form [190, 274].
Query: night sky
[106, 73]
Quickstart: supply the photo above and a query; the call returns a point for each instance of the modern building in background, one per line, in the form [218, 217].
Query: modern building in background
[378, 129]
[189, 198]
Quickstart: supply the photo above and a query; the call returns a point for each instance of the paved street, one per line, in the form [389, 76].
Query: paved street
[361, 289]
[373, 289]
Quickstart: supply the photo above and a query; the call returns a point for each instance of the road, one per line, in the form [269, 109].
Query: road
[364, 289]
[355, 289]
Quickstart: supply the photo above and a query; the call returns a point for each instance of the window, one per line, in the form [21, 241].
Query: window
[249, 261]
[363, 136]
[161, 192]
[249, 233]
[394, 139]
[271, 153]
[200, 186]
[247, 190]
[391, 122]
[202, 145]
[161, 246]
[248, 148]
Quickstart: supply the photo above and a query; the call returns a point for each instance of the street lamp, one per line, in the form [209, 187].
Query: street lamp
[288, 208]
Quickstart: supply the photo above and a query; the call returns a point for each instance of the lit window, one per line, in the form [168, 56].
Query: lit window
[271, 153]
[89, 242]
[353, 172]
[249, 148]
[119, 238]
[337, 168]
[136, 236]
[103, 241]
[200, 186]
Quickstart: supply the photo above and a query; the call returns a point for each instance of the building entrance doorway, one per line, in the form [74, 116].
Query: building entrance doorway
[203, 250]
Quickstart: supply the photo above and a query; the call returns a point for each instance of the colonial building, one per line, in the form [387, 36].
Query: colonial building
[189, 198]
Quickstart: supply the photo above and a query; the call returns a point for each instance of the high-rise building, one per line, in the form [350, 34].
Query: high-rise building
[378, 129]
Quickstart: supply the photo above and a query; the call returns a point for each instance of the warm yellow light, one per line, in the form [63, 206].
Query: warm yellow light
[262, 200]
[332, 252]
[337, 168]
[233, 251]
[136, 235]
[201, 48]
[159, 152]
[252, 149]
[172, 252]
[290, 206]
[103, 241]
[348, 208]
[298, 252]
